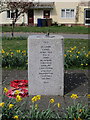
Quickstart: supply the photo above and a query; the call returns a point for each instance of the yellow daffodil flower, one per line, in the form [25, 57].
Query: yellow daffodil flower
[11, 55]
[70, 55]
[34, 99]
[65, 55]
[11, 52]
[86, 64]
[5, 90]
[58, 105]
[80, 110]
[3, 51]
[77, 56]
[36, 107]
[38, 97]
[2, 104]
[17, 92]
[74, 96]
[74, 46]
[87, 55]
[17, 51]
[18, 98]
[7, 53]
[52, 101]
[79, 118]
[78, 52]
[16, 117]
[82, 64]
[10, 106]
[84, 47]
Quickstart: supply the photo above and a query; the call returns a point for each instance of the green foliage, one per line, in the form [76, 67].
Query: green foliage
[9, 113]
[76, 112]
[53, 29]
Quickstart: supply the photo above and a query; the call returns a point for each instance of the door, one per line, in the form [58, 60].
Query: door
[87, 16]
[46, 13]
[30, 17]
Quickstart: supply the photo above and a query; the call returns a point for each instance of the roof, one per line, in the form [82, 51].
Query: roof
[42, 5]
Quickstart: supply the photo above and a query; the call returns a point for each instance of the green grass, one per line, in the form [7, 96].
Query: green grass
[53, 29]
[21, 43]
[18, 59]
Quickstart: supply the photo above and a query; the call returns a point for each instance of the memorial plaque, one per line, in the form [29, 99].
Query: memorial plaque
[46, 65]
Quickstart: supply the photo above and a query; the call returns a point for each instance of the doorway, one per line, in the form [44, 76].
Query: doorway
[30, 17]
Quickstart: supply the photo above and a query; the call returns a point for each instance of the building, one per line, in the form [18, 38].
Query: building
[62, 13]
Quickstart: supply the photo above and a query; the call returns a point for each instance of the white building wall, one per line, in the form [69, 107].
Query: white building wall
[37, 14]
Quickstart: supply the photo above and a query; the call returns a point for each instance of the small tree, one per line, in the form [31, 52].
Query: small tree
[17, 8]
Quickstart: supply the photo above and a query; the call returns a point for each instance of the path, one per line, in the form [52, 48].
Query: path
[23, 34]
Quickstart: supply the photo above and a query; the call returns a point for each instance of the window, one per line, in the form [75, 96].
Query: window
[87, 17]
[67, 13]
[12, 13]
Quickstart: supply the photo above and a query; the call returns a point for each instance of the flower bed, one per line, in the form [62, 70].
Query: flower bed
[11, 111]
[72, 57]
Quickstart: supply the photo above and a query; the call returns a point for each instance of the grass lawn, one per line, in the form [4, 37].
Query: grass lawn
[21, 44]
[53, 29]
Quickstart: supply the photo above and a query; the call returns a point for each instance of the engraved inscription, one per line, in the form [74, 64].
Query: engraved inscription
[46, 67]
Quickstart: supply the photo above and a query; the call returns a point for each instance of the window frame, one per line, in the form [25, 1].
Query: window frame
[70, 9]
[11, 11]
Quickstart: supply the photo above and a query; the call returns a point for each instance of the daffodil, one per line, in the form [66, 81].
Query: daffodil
[2, 104]
[80, 110]
[11, 52]
[10, 106]
[77, 56]
[78, 52]
[52, 101]
[74, 96]
[34, 99]
[17, 92]
[79, 118]
[5, 90]
[7, 53]
[18, 98]
[65, 55]
[36, 107]
[38, 97]
[58, 104]
[74, 46]
[86, 64]
[82, 64]
[16, 117]
[87, 55]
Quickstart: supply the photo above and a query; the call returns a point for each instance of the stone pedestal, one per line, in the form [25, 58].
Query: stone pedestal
[46, 65]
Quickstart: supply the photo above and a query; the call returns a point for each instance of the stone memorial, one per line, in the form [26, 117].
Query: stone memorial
[46, 65]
